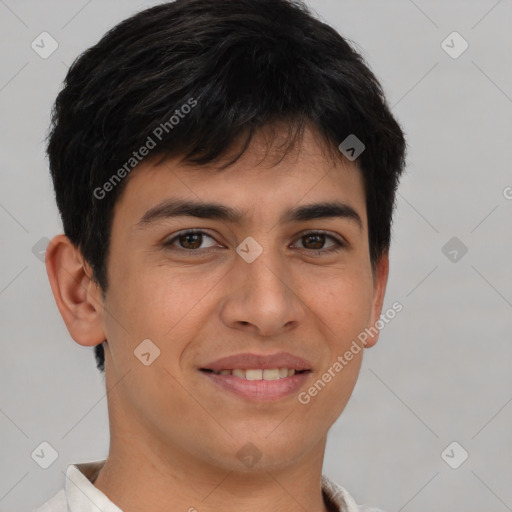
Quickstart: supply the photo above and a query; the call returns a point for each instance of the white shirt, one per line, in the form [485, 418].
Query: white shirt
[80, 495]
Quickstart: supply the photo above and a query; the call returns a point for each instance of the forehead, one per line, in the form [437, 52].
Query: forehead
[262, 182]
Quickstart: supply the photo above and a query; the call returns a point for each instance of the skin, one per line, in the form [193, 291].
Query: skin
[174, 436]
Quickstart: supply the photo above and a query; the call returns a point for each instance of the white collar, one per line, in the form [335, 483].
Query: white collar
[81, 494]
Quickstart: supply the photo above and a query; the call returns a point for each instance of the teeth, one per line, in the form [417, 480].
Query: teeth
[271, 374]
[259, 374]
[254, 374]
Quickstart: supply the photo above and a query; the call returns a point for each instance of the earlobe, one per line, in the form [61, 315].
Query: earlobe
[77, 296]
[380, 280]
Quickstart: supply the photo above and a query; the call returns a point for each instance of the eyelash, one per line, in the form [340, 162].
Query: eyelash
[338, 247]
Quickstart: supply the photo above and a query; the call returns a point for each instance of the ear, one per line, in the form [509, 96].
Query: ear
[76, 295]
[380, 280]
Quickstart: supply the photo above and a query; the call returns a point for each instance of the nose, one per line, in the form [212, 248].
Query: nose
[263, 297]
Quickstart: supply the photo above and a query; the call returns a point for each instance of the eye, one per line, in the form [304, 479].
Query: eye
[189, 240]
[317, 239]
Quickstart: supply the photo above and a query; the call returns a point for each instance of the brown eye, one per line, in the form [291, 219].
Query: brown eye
[190, 240]
[315, 241]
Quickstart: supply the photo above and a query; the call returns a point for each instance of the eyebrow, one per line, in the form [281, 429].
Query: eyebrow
[171, 208]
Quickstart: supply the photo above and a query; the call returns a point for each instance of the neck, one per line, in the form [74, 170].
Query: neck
[136, 478]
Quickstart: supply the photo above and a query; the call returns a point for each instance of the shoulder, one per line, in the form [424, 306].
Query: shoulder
[341, 500]
[57, 503]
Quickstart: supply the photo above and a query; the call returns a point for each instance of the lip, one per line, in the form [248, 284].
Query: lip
[259, 390]
[264, 361]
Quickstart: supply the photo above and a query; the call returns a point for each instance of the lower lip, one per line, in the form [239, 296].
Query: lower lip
[259, 389]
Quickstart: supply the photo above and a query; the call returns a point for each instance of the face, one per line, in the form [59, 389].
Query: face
[248, 289]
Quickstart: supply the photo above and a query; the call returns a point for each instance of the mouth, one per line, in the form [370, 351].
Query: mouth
[267, 374]
[258, 377]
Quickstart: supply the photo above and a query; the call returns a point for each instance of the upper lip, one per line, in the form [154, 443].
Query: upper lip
[256, 361]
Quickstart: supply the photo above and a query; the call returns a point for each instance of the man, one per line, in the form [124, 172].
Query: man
[226, 175]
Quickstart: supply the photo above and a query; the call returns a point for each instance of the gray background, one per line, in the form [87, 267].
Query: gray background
[441, 371]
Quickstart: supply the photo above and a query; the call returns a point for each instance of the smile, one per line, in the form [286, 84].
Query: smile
[259, 373]
[257, 384]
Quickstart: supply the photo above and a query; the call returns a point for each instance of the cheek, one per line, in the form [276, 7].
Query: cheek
[343, 302]
[146, 298]
[170, 302]
[158, 305]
